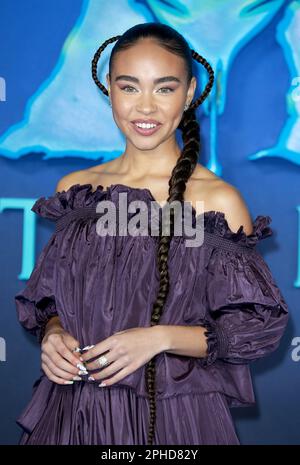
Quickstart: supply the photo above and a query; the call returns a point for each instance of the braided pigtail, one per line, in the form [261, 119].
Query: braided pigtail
[170, 39]
[95, 62]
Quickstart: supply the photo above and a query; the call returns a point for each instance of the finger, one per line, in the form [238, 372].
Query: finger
[118, 377]
[57, 370]
[58, 360]
[71, 350]
[53, 377]
[69, 361]
[95, 365]
[110, 370]
[60, 341]
[103, 346]
[64, 365]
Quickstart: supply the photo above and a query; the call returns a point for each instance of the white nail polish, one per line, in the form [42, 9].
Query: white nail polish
[77, 378]
[88, 347]
[82, 372]
[69, 382]
[81, 366]
[91, 378]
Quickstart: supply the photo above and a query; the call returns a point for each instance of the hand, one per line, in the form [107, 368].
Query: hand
[125, 351]
[58, 360]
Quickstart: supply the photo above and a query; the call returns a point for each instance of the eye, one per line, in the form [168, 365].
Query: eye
[168, 88]
[127, 87]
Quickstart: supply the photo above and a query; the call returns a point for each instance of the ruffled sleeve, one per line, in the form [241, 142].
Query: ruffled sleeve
[36, 304]
[246, 312]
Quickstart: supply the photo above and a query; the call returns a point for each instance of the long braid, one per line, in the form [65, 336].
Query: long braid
[181, 172]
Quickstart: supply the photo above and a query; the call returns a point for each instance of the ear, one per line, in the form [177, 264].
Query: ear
[108, 82]
[191, 89]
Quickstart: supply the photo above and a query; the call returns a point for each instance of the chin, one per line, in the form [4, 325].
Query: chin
[145, 145]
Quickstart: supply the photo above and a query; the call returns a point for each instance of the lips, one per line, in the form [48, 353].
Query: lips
[146, 131]
[146, 121]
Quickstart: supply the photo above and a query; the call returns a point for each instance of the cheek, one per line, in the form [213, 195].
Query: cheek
[122, 107]
[175, 114]
[122, 115]
[173, 108]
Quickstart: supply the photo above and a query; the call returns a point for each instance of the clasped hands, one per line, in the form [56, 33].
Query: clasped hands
[126, 351]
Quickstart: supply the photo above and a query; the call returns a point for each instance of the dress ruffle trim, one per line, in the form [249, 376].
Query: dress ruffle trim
[217, 343]
[77, 196]
[216, 223]
[212, 345]
[82, 195]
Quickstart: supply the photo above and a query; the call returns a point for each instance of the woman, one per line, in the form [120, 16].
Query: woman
[169, 329]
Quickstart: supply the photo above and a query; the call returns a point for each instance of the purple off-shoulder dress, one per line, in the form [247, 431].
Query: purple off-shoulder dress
[99, 285]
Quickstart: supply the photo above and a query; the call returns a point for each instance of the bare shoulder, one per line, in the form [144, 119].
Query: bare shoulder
[220, 196]
[76, 177]
[201, 172]
[85, 176]
[228, 199]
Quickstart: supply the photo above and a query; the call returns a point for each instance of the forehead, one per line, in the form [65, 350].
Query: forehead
[147, 60]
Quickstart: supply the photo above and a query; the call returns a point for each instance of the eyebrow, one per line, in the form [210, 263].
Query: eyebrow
[126, 77]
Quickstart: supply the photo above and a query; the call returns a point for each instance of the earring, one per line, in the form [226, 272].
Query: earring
[186, 106]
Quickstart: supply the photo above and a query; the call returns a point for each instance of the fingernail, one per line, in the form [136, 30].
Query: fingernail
[102, 384]
[80, 358]
[77, 349]
[91, 378]
[88, 347]
[81, 366]
[82, 372]
[69, 382]
[77, 378]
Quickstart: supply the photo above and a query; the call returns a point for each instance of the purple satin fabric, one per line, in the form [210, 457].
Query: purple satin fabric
[101, 285]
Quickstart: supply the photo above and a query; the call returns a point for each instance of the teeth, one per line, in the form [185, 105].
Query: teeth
[146, 125]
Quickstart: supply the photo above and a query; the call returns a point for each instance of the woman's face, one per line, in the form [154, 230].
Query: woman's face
[136, 95]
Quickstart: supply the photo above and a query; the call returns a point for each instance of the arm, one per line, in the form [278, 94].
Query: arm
[246, 313]
[54, 322]
[63, 184]
[52, 325]
[36, 304]
[191, 340]
[181, 340]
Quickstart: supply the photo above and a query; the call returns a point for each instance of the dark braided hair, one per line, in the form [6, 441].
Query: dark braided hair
[171, 40]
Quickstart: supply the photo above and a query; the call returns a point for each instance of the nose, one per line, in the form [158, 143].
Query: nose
[146, 103]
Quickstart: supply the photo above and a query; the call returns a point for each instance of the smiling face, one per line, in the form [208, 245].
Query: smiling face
[137, 92]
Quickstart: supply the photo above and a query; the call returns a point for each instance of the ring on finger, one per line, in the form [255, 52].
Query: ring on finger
[103, 361]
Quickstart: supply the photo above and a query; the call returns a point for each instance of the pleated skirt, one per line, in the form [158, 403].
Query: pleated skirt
[84, 414]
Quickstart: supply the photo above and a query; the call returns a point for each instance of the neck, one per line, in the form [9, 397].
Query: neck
[154, 162]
